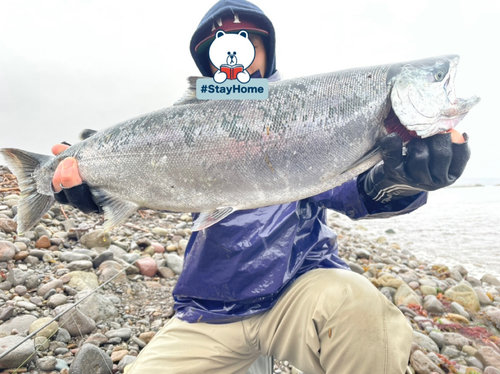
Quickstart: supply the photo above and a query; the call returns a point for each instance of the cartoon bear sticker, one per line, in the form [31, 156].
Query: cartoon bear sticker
[231, 54]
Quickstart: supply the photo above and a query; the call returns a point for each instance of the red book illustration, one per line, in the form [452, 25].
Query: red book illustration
[231, 70]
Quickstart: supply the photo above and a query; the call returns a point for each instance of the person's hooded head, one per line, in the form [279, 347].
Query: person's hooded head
[233, 16]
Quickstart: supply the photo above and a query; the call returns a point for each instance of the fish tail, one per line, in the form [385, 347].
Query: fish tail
[33, 204]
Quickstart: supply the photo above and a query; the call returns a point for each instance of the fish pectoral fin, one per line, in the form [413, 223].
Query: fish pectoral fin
[115, 209]
[374, 152]
[206, 220]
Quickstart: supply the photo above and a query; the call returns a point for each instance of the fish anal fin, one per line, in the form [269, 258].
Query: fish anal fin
[208, 219]
[116, 210]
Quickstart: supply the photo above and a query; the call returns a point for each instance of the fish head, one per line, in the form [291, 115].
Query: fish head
[423, 95]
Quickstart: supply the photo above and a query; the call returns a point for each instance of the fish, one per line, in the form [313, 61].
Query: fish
[215, 157]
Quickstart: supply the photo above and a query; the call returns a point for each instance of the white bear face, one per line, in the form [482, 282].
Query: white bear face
[232, 49]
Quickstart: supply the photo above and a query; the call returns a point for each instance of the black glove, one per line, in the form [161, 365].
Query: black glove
[429, 164]
[79, 196]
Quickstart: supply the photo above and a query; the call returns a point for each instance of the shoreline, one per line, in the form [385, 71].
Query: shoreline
[455, 317]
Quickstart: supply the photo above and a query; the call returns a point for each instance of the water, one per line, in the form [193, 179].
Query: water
[457, 226]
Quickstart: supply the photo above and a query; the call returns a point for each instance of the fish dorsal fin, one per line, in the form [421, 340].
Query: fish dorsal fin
[189, 96]
[115, 209]
[206, 220]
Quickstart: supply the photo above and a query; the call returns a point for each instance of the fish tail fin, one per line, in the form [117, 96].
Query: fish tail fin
[33, 204]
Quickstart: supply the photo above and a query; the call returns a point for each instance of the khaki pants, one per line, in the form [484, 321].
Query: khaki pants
[328, 321]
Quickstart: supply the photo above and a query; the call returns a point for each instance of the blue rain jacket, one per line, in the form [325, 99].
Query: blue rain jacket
[241, 265]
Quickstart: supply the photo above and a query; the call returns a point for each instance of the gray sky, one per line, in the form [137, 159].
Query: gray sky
[68, 65]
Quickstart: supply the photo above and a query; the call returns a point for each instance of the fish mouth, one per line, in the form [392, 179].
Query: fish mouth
[422, 107]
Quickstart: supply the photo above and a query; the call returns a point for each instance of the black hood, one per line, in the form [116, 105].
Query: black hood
[246, 11]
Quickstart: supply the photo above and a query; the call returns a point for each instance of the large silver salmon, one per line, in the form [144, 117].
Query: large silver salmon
[215, 157]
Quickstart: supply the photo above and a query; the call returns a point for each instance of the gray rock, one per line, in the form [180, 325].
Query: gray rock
[98, 307]
[126, 360]
[459, 309]
[49, 293]
[19, 355]
[425, 342]
[494, 314]
[422, 364]
[450, 352]
[131, 257]
[56, 300]
[17, 276]
[32, 260]
[20, 290]
[32, 281]
[104, 256]
[47, 363]
[26, 305]
[41, 231]
[438, 338]
[6, 313]
[73, 256]
[488, 278]
[362, 253]
[433, 305]
[92, 253]
[97, 339]
[91, 360]
[453, 338]
[123, 333]
[118, 252]
[61, 364]
[355, 267]
[482, 296]
[52, 285]
[63, 335]
[488, 356]
[19, 323]
[5, 286]
[491, 370]
[7, 250]
[174, 262]
[455, 274]
[160, 231]
[427, 282]
[38, 253]
[474, 282]
[74, 320]
[97, 238]
[463, 271]
[472, 361]
[80, 265]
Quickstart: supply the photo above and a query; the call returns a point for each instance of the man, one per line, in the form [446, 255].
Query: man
[269, 280]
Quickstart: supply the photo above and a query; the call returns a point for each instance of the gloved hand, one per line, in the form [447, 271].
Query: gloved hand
[67, 183]
[429, 164]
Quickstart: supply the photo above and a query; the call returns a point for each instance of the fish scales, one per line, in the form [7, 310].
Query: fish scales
[214, 157]
[223, 157]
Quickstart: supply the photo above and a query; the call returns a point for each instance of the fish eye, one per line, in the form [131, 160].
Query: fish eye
[439, 75]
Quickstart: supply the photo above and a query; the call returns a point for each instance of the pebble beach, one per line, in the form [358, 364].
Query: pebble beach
[134, 268]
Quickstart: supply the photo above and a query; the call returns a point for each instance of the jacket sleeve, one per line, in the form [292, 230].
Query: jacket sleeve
[348, 200]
